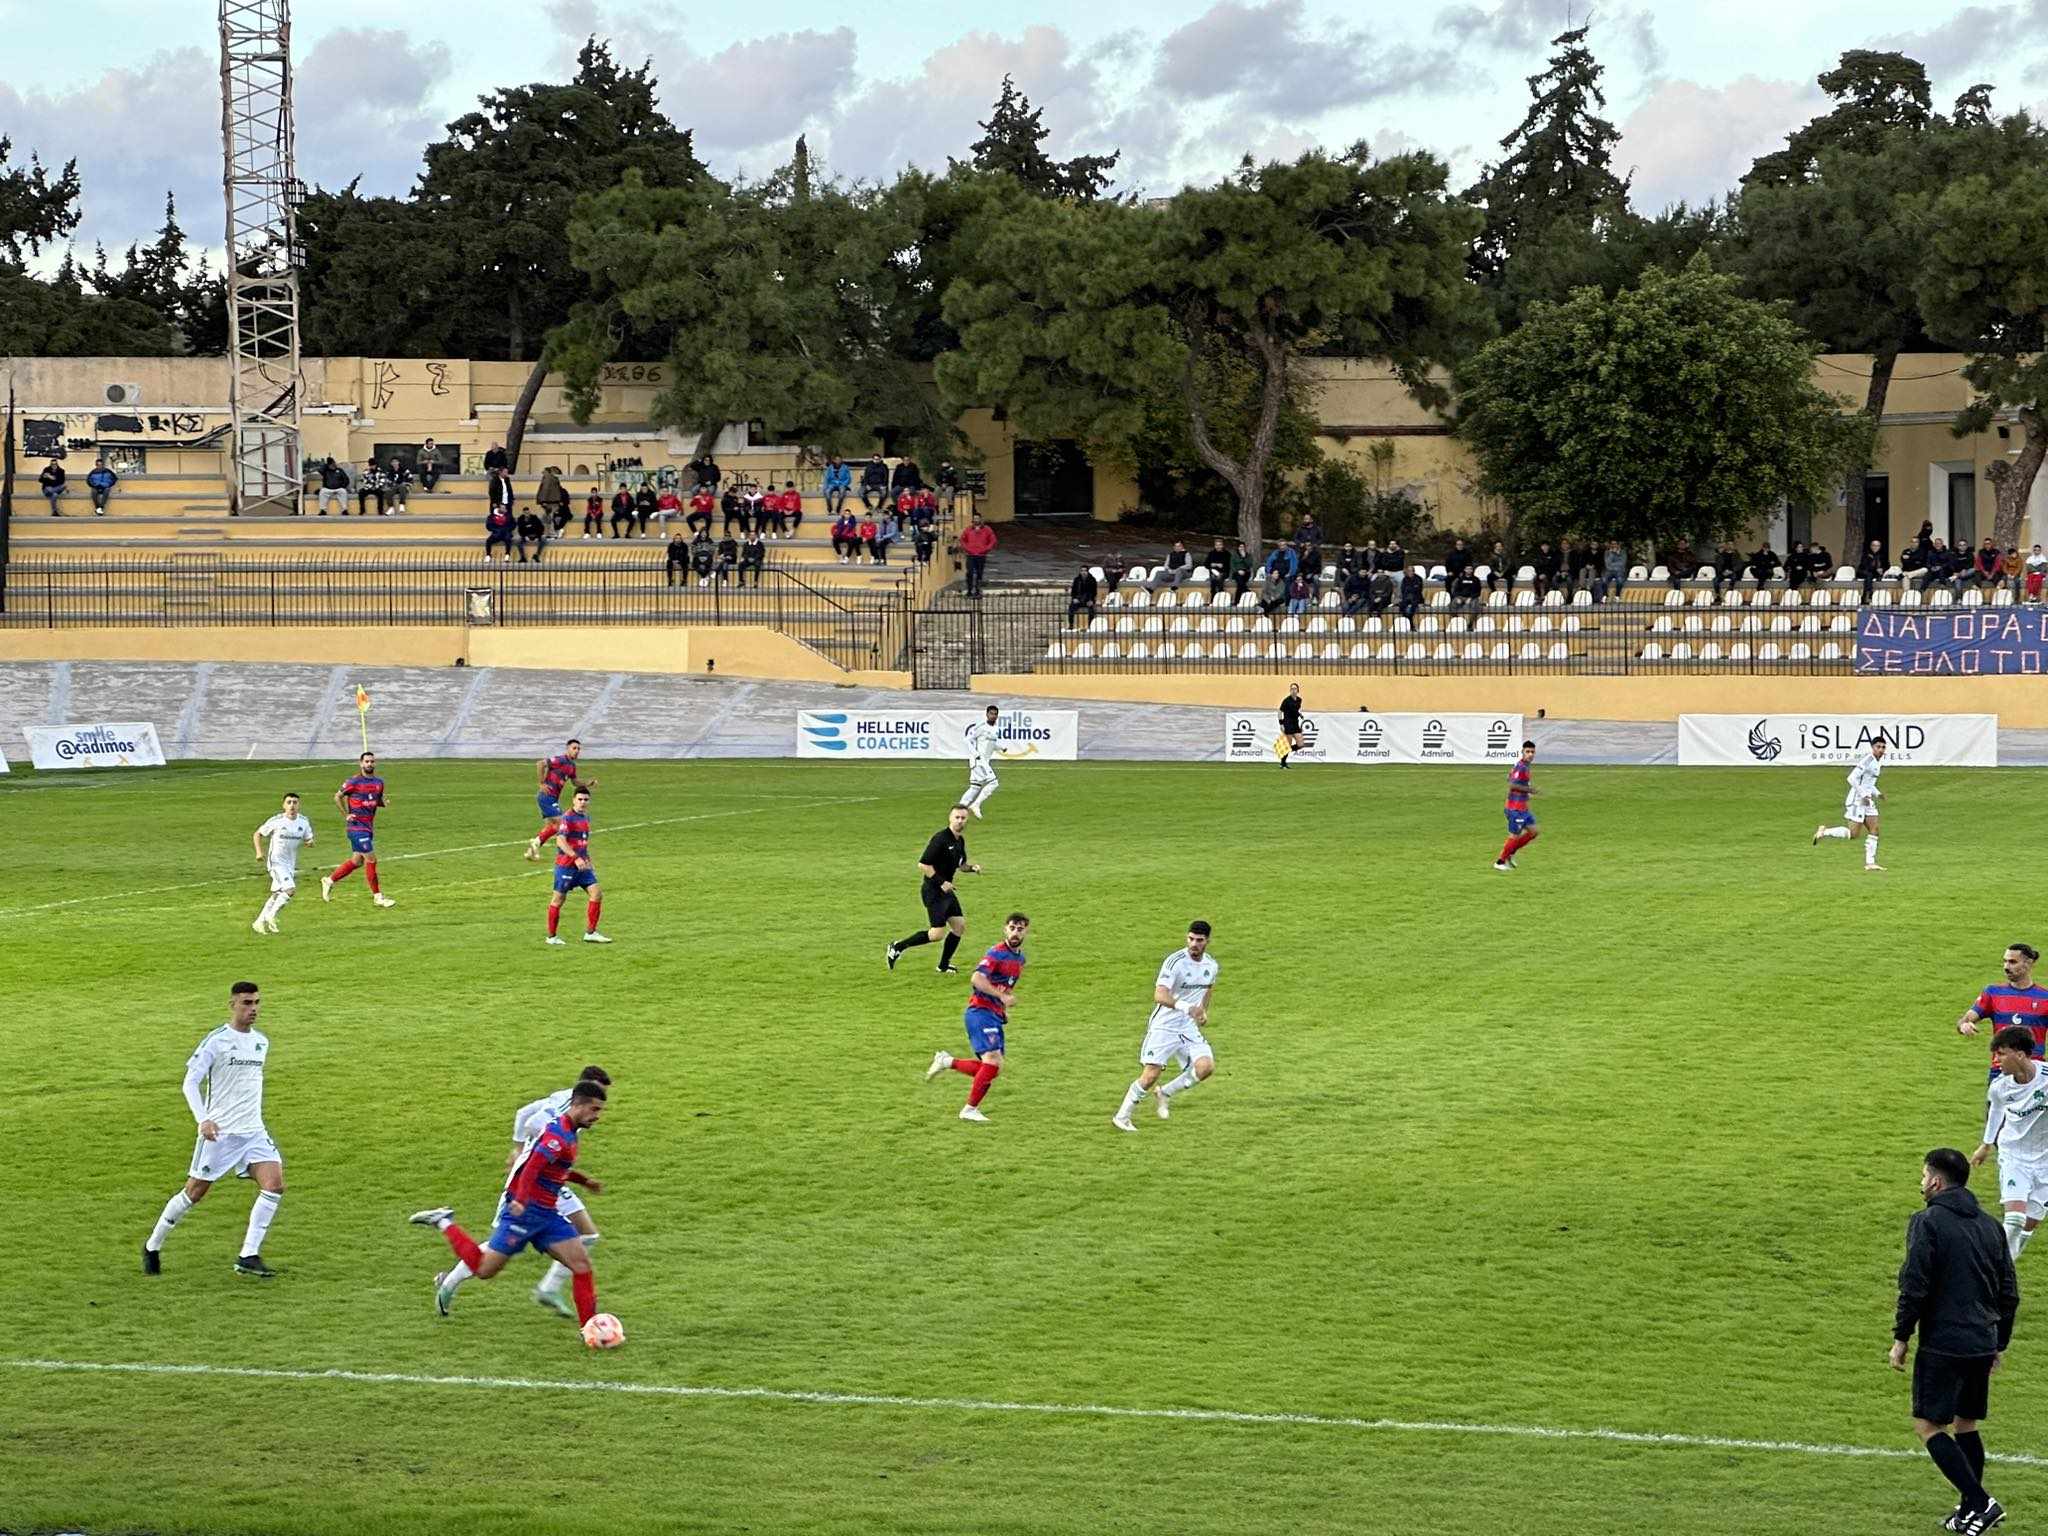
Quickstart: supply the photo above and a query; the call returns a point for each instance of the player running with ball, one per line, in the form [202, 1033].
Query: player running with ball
[1180, 1010]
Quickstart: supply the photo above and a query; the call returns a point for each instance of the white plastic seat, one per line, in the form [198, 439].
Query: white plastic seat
[1942, 598]
[1262, 625]
[1114, 600]
[1111, 651]
[1843, 625]
[1360, 651]
[1739, 651]
[1372, 626]
[1750, 624]
[1347, 626]
[1570, 626]
[1541, 626]
[1973, 598]
[1156, 625]
[1639, 573]
[1141, 652]
[1704, 573]
[1290, 625]
[1138, 573]
[1437, 573]
[1653, 652]
[1831, 652]
[1386, 650]
[1845, 573]
[1792, 599]
[1096, 572]
[1428, 626]
[1674, 598]
[1193, 652]
[1180, 627]
[1810, 625]
[1084, 652]
[1912, 597]
[1220, 651]
[1525, 573]
[1473, 651]
[1234, 626]
[1197, 599]
[1496, 599]
[1822, 599]
[1198, 577]
[1485, 626]
[1782, 624]
[1657, 573]
[1710, 652]
[1318, 625]
[2002, 598]
[1769, 653]
[1126, 625]
[1694, 624]
[1762, 598]
[1439, 599]
[1530, 651]
[1141, 598]
[1330, 651]
[1801, 651]
[1055, 651]
[1559, 651]
[1732, 598]
[1167, 599]
[1553, 598]
[1417, 651]
[1525, 599]
[1444, 651]
[1703, 599]
[1456, 625]
[1305, 651]
[1482, 571]
[1207, 626]
[1330, 600]
[1329, 570]
[1681, 652]
[1582, 598]
[1098, 625]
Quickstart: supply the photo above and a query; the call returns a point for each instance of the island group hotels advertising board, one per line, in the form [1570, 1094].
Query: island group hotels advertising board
[1793, 741]
[853, 734]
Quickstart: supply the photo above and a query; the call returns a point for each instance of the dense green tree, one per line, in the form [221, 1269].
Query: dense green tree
[1676, 410]
[36, 209]
[60, 318]
[1012, 144]
[164, 277]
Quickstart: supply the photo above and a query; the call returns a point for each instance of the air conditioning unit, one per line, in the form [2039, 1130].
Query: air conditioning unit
[123, 394]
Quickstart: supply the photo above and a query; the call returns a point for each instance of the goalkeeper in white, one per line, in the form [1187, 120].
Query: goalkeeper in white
[1861, 808]
[1180, 1012]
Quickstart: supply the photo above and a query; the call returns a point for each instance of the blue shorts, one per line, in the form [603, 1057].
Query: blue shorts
[542, 1229]
[984, 1031]
[569, 878]
[360, 842]
[1520, 822]
[550, 807]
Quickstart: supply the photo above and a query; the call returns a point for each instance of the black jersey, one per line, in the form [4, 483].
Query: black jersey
[945, 853]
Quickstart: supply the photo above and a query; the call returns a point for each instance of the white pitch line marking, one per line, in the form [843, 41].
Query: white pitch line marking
[996, 1405]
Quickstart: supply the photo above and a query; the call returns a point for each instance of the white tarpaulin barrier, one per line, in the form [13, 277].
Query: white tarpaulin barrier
[130, 744]
[938, 733]
[1752, 741]
[1248, 736]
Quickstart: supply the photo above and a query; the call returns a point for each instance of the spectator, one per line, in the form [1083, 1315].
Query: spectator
[677, 561]
[887, 530]
[1727, 568]
[499, 528]
[763, 510]
[429, 461]
[845, 537]
[622, 512]
[1081, 596]
[2015, 571]
[838, 486]
[333, 487]
[1763, 565]
[1357, 591]
[1371, 556]
[667, 505]
[1820, 562]
[708, 473]
[1681, 564]
[552, 498]
[1464, 588]
[1348, 560]
[1798, 567]
[864, 537]
[1411, 595]
[370, 483]
[101, 481]
[1300, 593]
[498, 493]
[495, 459]
[1458, 558]
[1547, 563]
[1175, 571]
[728, 558]
[1308, 539]
[1613, 572]
[1923, 546]
[905, 477]
[1218, 562]
[977, 543]
[1113, 570]
[1395, 558]
[593, 514]
[1936, 565]
[793, 507]
[753, 557]
[1988, 568]
[2037, 573]
[1870, 569]
[52, 482]
[1498, 572]
[948, 479]
[874, 482]
[703, 557]
[646, 502]
[398, 481]
[1379, 592]
[1240, 572]
[924, 540]
[1281, 567]
[532, 529]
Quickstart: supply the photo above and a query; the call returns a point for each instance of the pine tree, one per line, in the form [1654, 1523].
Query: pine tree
[1012, 141]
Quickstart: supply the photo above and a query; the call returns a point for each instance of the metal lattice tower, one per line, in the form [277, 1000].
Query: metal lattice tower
[262, 254]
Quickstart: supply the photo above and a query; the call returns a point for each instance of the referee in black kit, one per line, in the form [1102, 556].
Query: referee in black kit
[944, 857]
[1958, 1287]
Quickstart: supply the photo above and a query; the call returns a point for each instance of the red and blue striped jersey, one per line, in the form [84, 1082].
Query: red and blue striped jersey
[1003, 966]
[560, 770]
[572, 839]
[362, 796]
[1518, 786]
[543, 1168]
[2005, 1004]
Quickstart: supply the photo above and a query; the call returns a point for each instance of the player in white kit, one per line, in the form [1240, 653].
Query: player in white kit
[1861, 808]
[288, 832]
[983, 748]
[1180, 1011]
[224, 1087]
[2016, 1122]
[531, 1120]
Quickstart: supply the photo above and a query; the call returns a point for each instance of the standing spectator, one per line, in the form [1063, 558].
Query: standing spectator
[370, 483]
[677, 560]
[498, 495]
[793, 507]
[398, 479]
[838, 486]
[874, 482]
[101, 481]
[753, 557]
[52, 482]
[499, 528]
[1175, 571]
[646, 503]
[593, 514]
[1458, 558]
[864, 537]
[1958, 1288]
[2037, 573]
[1464, 590]
[1870, 569]
[1240, 573]
[1395, 558]
[1349, 559]
[977, 543]
[1727, 568]
[333, 487]
[1613, 572]
[429, 461]
[703, 556]
[1370, 556]
[845, 537]
[668, 505]
[2015, 570]
[1380, 592]
[495, 459]
[887, 530]
[904, 477]
[1081, 595]
[1218, 562]
[622, 512]
[1113, 570]
[728, 558]
[948, 479]
[552, 497]
[532, 529]
[1411, 595]
[1308, 541]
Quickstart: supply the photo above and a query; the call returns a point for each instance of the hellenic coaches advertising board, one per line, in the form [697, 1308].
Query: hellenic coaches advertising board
[132, 744]
[1761, 741]
[939, 733]
[1248, 737]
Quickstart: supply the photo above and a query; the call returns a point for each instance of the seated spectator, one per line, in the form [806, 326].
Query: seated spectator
[753, 557]
[1300, 593]
[766, 511]
[333, 487]
[52, 482]
[1395, 558]
[1458, 558]
[370, 483]
[1349, 559]
[1798, 571]
[1218, 561]
[1175, 571]
[927, 510]
[1357, 591]
[1820, 562]
[874, 482]
[887, 531]
[499, 529]
[1763, 565]
[532, 529]
[429, 461]
[1380, 592]
[2015, 571]
[864, 536]
[1547, 564]
[593, 514]
[1081, 596]
[904, 477]
[1680, 564]
[703, 557]
[1499, 572]
[2037, 573]
[1464, 589]
[667, 505]
[1113, 570]
[793, 507]
[948, 482]
[1369, 557]
[709, 474]
[1411, 594]
[646, 502]
[1727, 568]
[1987, 569]
[1613, 572]
[1870, 569]
[924, 540]
[622, 511]
[728, 557]
[699, 518]
[101, 481]
[1282, 565]
[494, 458]
[398, 482]
[845, 537]
[1240, 572]
[677, 561]
[838, 486]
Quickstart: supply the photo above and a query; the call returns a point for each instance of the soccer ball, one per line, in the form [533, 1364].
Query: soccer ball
[604, 1332]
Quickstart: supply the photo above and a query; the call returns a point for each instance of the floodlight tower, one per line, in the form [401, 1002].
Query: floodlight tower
[263, 254]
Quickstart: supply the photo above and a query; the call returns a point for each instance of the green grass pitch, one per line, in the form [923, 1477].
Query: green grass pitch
[1626, 1139]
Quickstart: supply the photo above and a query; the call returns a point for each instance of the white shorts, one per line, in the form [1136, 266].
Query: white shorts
[1859, 810]
[283, 879]
[978, 780]
[2021, 1178]
[230, 1155]
[1178, 1039]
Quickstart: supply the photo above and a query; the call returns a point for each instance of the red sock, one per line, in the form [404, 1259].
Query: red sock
[1524, 841]
[547, 830]
[967, 1064]
[1507, 849]
[370, 874]
[554, 920]
[344, 869]
[585, 1287]
[465, 1249]
[982, 1079]
[590, 914]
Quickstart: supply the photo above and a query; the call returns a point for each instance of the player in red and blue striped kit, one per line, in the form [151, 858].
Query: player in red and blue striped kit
[360, 797]
[575, 872]
[1521, 820]
[994, 988]
[553, 773]
[528, 1216]
[2017, 1001]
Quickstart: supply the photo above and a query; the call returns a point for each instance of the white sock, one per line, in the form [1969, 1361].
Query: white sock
[2020, 1244]
[1180, 1084]
[557, 1276]
[261, 1214]
[2015, 1224]
[1133, 1096]
[1870, 849]
[1834, 831]
[456, 1276]
[174, 1212]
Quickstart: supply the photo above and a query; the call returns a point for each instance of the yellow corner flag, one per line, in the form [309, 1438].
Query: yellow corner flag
[363, 714]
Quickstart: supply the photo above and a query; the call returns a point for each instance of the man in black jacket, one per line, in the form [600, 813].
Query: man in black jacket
[1958, 1288]
[1411, 595]
[1082, 594]
[874, 482]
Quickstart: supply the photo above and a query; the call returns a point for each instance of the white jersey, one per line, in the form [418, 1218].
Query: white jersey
[1189, 980]
[2017, 1116]
[534, 1118]
[983, 748]
[287, 834]
[1863, 778]
[224, 1079]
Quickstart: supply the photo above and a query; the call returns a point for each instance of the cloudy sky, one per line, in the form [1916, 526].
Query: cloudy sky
[1182, 87]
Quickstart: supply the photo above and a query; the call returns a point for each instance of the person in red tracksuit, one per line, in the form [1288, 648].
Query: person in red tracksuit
[977, 542]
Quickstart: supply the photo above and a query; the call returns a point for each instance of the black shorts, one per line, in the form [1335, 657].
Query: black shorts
[1950, 1387]
[940, 905]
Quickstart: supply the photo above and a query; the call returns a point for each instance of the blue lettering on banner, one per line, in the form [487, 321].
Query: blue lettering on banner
[1960, 642]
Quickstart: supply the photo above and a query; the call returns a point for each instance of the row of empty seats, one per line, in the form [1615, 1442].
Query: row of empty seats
[1880, 597]
[1742, 651]
[1319, 624]
[1196, 597]
[1528, 651]
[1751, 624]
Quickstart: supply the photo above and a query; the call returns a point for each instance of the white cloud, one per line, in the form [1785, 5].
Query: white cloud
[1265, 57]
[1977, 34]
[363, 108]
[1693, 142]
